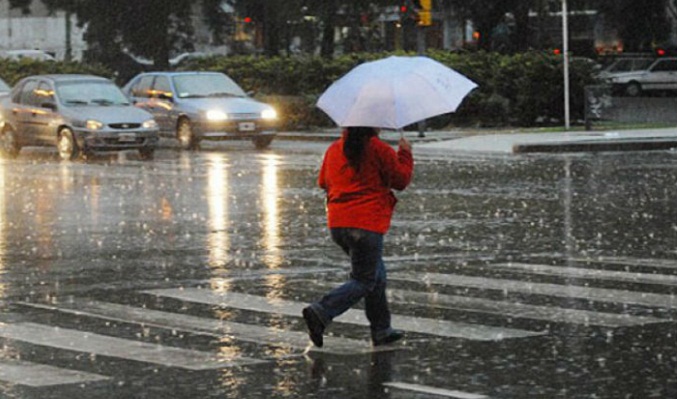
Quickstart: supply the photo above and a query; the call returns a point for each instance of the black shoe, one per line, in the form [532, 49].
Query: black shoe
[395, 335]
[315, 326]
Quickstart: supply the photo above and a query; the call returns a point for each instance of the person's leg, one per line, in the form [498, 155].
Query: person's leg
[376, 304]
[364, 248]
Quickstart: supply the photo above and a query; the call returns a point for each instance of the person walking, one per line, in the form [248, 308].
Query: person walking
[358, 173]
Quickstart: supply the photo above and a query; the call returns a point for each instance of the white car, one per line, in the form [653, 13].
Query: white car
[660, 75]
[17, 55]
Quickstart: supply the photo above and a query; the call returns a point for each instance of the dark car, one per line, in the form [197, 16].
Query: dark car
[195, 106]
[78, 114]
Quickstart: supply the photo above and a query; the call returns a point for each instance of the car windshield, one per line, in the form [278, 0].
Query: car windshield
[206, 85]
[629, 65]
[88, 92]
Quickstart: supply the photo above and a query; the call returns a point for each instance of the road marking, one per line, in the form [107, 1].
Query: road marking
[521, 310]
[212, 327]
[556, 290]
[577, 272]
[41, 375]
[434, 391]
[80, 341]
[441, 328]
[617, 260]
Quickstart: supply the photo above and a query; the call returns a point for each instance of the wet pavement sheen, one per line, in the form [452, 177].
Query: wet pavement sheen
[529, 276]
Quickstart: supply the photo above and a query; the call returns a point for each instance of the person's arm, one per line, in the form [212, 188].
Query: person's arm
[398, 167]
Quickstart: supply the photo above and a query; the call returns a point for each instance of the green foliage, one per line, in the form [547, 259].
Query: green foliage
[524, 89]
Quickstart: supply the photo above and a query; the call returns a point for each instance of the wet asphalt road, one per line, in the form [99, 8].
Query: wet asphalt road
[530, 276]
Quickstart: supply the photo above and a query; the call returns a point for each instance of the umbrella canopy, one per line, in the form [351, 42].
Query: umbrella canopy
[394, 92]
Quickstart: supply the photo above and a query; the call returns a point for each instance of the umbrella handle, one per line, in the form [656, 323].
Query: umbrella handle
[401, 133]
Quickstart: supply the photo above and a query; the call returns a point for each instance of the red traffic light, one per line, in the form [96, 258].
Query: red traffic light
[247, 20]
[661, 52]
[403, 9]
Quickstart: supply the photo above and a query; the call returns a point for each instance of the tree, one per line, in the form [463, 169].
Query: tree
[641, 25]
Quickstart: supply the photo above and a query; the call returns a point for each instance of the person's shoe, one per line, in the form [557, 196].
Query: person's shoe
[395, 335]
[315, 326]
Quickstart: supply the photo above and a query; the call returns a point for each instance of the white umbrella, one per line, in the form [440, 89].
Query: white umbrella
[394, 92]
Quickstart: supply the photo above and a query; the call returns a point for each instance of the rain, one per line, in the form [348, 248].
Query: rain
[514, 277]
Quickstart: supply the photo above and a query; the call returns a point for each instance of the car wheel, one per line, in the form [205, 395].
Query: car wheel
[68, 148]
[147, 153]
[184, 133]
[633, 89]
[262, 142]
[10, 146]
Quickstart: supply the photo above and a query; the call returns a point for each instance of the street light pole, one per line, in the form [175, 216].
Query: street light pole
[565, 50]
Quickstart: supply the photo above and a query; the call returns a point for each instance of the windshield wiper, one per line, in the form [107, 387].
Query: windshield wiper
[102, 101]
[223, 94]
[77, 102]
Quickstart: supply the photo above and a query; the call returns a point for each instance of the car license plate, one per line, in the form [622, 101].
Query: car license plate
[127, 137]
[247, 126]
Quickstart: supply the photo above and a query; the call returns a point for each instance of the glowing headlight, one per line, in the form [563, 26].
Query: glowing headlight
[149, 124]
[92, 124]
[216, 115]
[269, 114]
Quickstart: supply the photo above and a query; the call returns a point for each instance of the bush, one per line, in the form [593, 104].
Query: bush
[12, 71]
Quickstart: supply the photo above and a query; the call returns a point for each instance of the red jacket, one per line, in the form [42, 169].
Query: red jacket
[364, 200]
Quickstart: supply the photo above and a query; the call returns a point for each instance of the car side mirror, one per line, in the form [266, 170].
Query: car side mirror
[166, 96]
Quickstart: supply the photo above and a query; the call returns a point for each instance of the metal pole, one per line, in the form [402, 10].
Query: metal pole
[565, 50]
[420, 47]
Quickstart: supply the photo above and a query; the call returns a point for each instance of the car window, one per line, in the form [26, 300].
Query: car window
[206, 85]
[43, 94]
[142, 86]
[90, 92]
[162, 86]
[665, 66]
[27, 94]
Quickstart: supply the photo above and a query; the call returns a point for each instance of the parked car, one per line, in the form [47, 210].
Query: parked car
[195, 106]
[78, 114]
[17, 55]
[659, 75]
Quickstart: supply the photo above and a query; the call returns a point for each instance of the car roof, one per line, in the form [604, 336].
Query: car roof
[69, 77]
[176, 73]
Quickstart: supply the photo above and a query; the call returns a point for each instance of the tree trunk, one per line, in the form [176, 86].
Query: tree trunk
[329, 23]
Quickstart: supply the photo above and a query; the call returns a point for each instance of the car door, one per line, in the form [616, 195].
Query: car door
[140, 92]
[162, 102]
[22, 112]
[663, 75]
[44, 113]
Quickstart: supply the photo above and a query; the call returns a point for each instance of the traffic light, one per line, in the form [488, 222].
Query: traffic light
[425, 17]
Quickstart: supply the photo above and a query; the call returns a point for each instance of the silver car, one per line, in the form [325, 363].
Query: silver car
[195, 106]
[78, 114]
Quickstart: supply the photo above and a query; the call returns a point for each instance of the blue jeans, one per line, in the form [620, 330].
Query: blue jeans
[367, 280]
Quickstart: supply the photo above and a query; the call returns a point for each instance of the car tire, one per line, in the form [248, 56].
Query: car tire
[66, 145]
[262, 142]
[185, 135]
[147, 153]
[633, 89]
[10, 146]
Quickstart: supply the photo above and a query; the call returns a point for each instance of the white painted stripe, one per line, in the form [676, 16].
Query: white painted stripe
[618, 260]
[556, 290]
[41, 375]
[353, 316]
[521, 310]
[217, 328]
[103, 345]
[434, 391]
[577, 272]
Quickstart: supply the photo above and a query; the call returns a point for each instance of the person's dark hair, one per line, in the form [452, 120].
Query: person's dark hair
[355, 141]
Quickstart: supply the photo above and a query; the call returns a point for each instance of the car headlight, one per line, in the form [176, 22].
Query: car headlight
[269, 114]
[149, 124]
[216, 115]
[92, 124]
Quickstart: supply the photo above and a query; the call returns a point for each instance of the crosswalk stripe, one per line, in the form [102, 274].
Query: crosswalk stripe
[80, 341]
[353, 316]
[212, 327]
[521, 310]
[434, 391]
[41, 375]
[556, 290]
[577, 272]
[619, 260]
